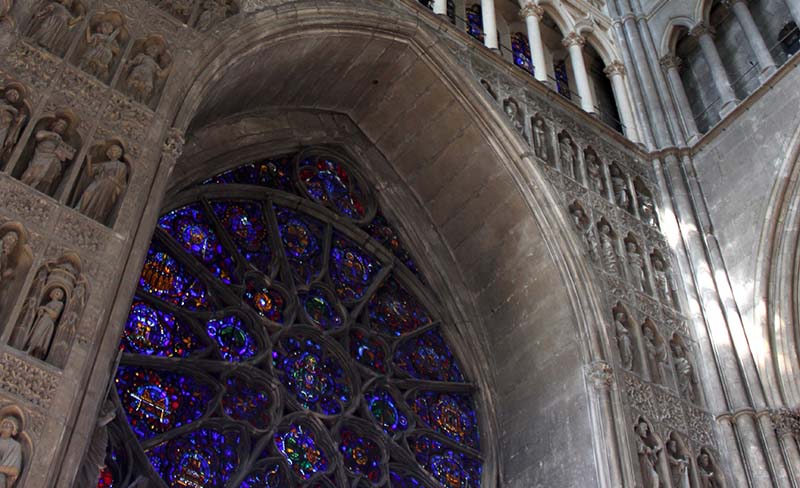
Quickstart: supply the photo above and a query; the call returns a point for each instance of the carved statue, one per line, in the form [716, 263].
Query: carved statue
[213, 12]
[608, 250]
[587, 231]
[656, 354]
[567, 152]
[540, 139]
[512, 112]
[662, 281]
[678, 465]
[624, 340]
[619, 185]
[647, 211]
[178, 8]
[8, 244]
[95, 457]
[49, 157]
[53, 22]
[684, 370]
[595, 173]
[145, 71]
[486, 86]
[710, 477]
[648, 451]
[51, 312]
[103, 48]
[10, 452]
[13, 114]
[109, 179]
[635, 265]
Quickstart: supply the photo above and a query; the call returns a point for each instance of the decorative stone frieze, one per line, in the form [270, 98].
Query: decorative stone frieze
[27, 381]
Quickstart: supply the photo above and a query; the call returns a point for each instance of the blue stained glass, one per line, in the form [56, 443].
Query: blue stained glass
[316, 380]
[189, 226]
[249, 401]
[270, 477]
[403, 480]
[153, 332]
[302, 241]
[163, 277]
[204, 458]
[394, 311]
[299, 444]
[330, 183]
[382, 231]
[428, 357]
[272, 173]
[451, 467]
[521, 52]
[320, 310]
[246, 224]
[362, 456]
[368, 351]
[234, 340]
[268, 302]
[386, 411]
[351, 269]
[562, 79]
[158, 401]
[451, 414]
[475, 22]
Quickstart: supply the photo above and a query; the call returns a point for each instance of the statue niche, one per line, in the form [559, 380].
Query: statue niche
[644, 200]
[685, 375]
[680, 463]
[619, 188]
[50, 150]
[51, 312]
[585, 228]
[623, 327]
[594, 172]
[103, 181]
[608, 247]
[488, 87]
[15, 110]
[146, 70]
[650, 452]
[539, 133]
[568, 156]
[662, 279]
[512, 111]
[655, 352]
[214, 12]
[52, 24]
[15, 446]
[709, 471]
[104, 39]
[15, 260]
[635, 263]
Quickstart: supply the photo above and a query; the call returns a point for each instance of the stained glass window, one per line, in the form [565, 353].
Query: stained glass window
[521, 51]
[562, 79]
[475, 22]
[283, 337]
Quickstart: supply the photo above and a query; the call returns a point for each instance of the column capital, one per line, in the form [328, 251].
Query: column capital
[531, 10]
[573, 39]
[614, 68]
[702, 29]
[670, 61]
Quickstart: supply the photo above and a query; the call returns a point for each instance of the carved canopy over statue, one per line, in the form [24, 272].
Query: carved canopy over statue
[47, 324]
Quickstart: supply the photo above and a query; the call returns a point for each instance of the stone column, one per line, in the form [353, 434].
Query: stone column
[489, 24]
[754, 37]
[794, 9]
[532, 14]
[616, 73]
[704, 35]
[670, 64]
[574, 42]
[440, 7]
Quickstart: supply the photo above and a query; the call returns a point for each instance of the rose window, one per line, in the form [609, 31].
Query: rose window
[281, 336]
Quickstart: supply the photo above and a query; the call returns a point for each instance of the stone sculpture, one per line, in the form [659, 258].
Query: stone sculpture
[624, 340]
[8, 246]
[648, 452]
[635, 265]
[540, 139]
[13, 114]
[684, 370]
[710, 475]
[53, 22]
[619, 185]
[656, 353]
[178, 8]
[581, 222]
[146, 69]
[511, 109]
[212, 13]
[567, 155]
[50, 156]
[10, 452]
[103, 48]
[647, 211]
[108, 181]
[595, 173]
[678, 465]
[662, 281]
[608, 249]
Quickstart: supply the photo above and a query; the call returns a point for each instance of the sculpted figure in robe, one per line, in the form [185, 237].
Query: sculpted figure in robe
[53, 22]
[678, 465]
[12, 117]
[620, 187]
[103, 48]
[540, 139]
[145, 72]
[10, 452]
[49, 158]
[648, 456]
[624, 340]
[109, 179]
[567, 153]
[635, 265]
